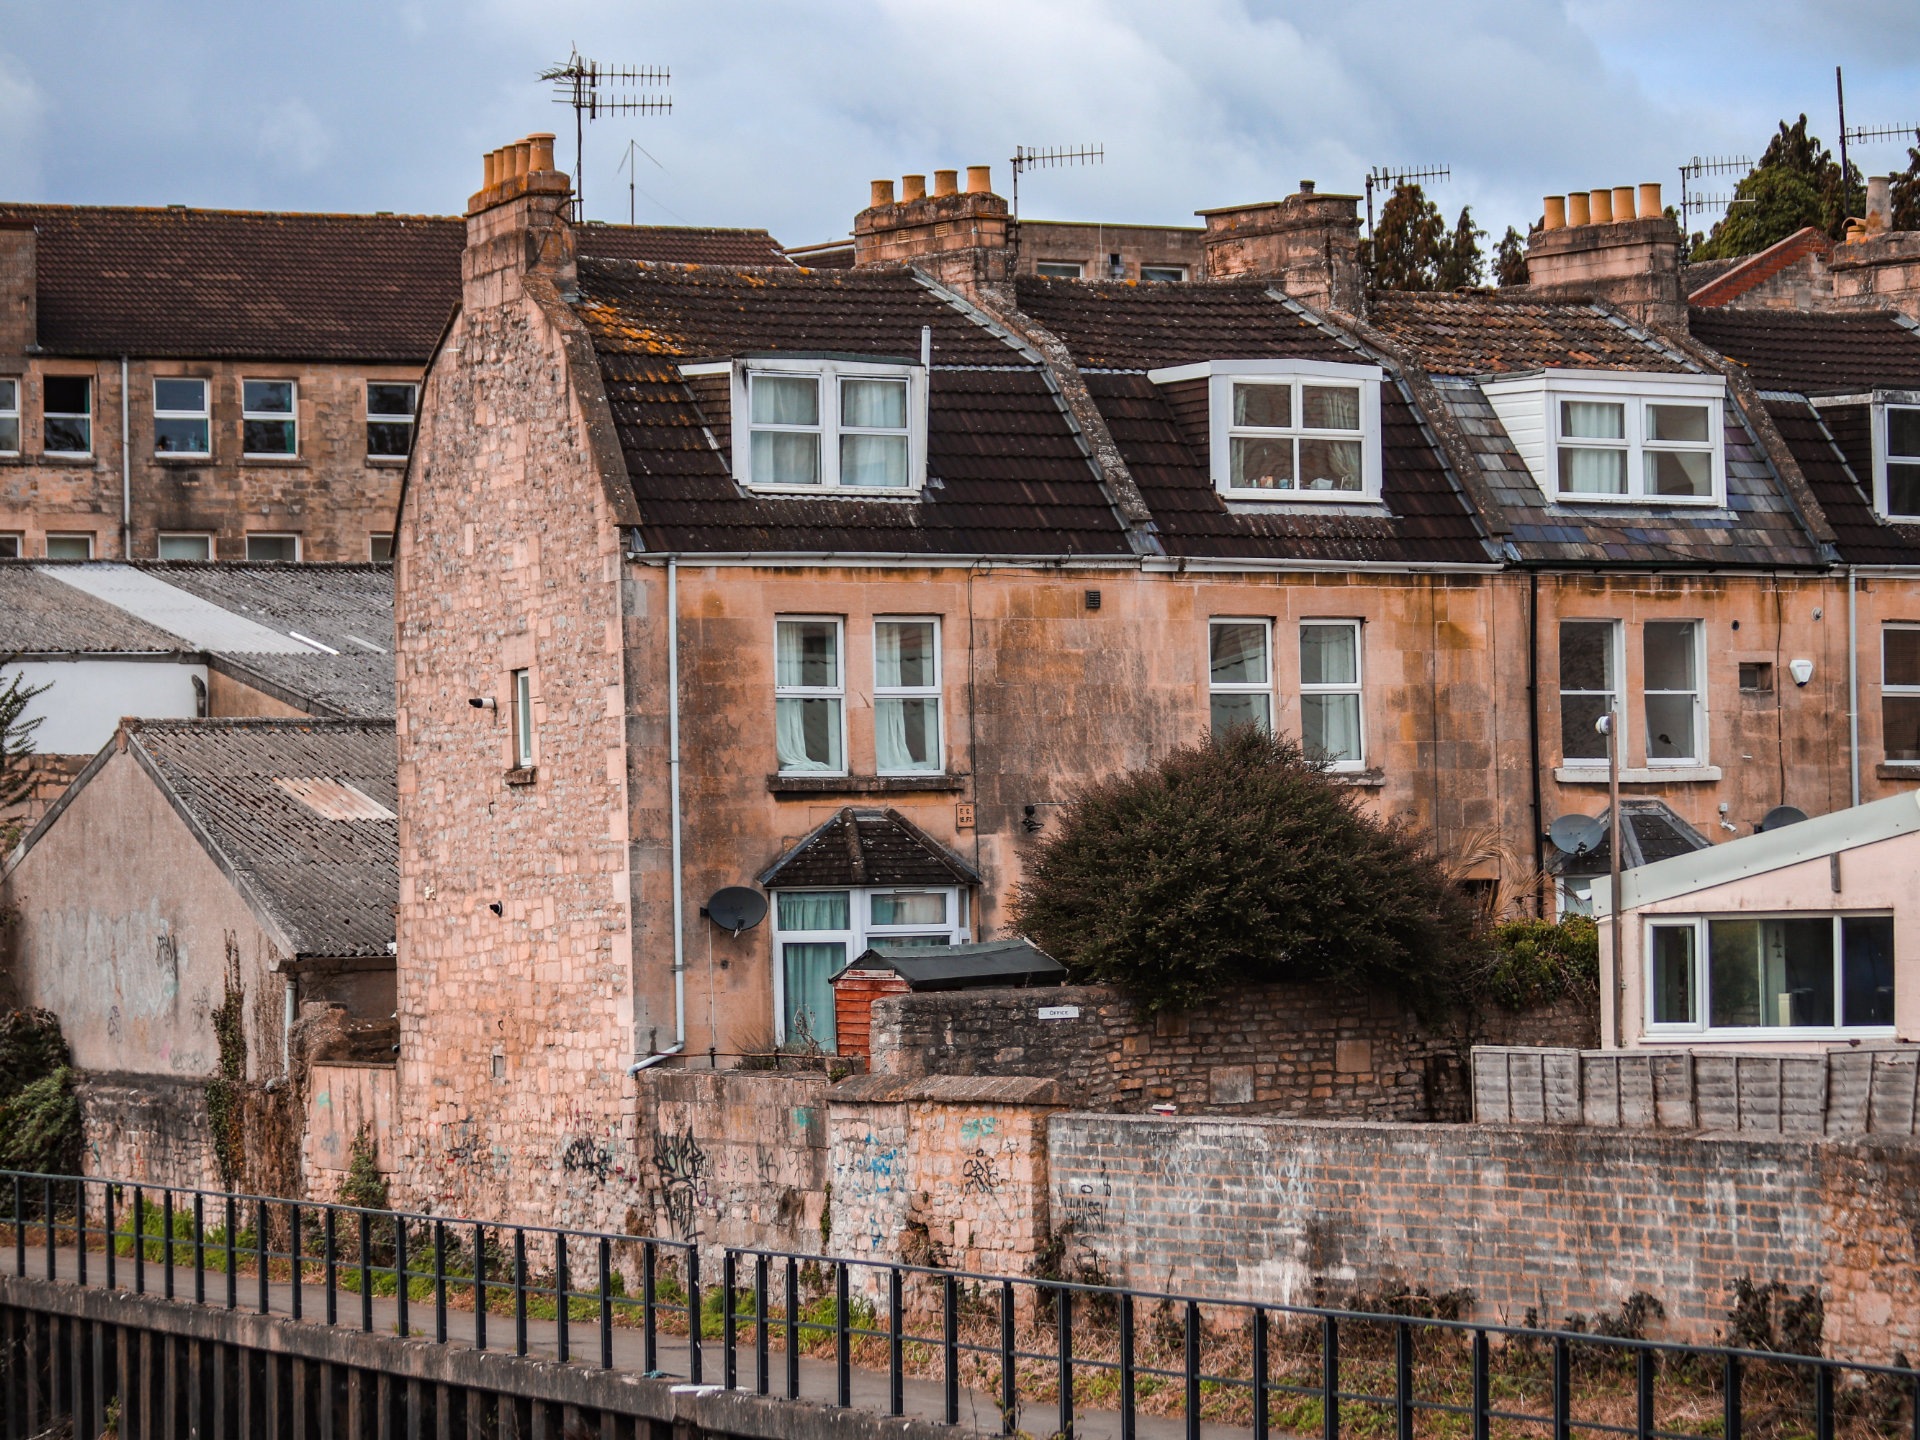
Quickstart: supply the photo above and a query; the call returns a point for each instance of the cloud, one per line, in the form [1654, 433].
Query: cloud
[291, 134]
[21, 108]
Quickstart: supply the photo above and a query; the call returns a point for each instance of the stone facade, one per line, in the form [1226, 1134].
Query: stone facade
[342, 1100]
[147, 1129]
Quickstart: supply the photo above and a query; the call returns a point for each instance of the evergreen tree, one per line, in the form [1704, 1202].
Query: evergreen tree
[1797, 183]
[1412, 249]
[1906, 191]
[1510, 259]
[16, 750]
[1464, 264]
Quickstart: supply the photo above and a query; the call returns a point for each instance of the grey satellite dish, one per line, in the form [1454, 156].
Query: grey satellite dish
[1575, 834]
[1780, 817]
[737, 908]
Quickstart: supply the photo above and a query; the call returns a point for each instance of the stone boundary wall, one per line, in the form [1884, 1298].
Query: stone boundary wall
[1557, 1223]
[147, 1128]
[1848, 1090]
[1267, 1050]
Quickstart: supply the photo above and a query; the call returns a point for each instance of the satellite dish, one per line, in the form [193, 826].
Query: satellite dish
[737, 908]
[1575, 834]
[1780, 817]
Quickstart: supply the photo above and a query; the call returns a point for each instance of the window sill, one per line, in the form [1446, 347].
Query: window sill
[388, 462]
[273, 459]
[1283, 501]
[1646, 775]
[1768, 1034]
[178, 460]
[834, 492]
[863, 784]
[1897, 770]
[522, 775]
[1361, 779]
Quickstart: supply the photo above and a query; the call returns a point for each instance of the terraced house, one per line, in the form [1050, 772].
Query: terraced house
[836, 583]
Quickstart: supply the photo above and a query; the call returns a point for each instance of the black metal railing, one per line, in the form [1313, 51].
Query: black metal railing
[999, 1353]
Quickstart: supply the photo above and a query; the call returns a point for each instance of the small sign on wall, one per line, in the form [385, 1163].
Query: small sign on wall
[1059, 1012]
[963, 815]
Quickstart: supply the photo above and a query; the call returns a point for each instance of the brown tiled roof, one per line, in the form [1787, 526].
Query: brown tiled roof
[1485, 333]
[1834, 451]
[231, 284]
[1823, 352]
[868, 847]
[1007, 473]
[1118, 331]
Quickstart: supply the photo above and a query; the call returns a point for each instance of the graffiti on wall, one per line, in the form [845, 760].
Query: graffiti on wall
[682, 1167]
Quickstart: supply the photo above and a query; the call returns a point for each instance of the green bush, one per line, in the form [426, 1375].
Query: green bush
[39, 1113]
[1536, 962]
[1238, 861]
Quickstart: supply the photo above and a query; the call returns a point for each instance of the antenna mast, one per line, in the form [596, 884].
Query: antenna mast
[1028, 157]
[580, 84]
[1859, 135]
[1693, 170]
[1382, 177]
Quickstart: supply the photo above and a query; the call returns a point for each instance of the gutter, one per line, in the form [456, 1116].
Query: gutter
[1148, 565]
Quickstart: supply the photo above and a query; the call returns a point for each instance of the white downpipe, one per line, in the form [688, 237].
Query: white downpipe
[1853, 686]
[673, 779]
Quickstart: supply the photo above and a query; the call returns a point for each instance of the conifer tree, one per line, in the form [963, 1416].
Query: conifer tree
[16, 750]
[1510, 259]
[1796, 184]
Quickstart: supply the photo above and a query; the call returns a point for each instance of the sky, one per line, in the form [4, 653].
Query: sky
[783, 111]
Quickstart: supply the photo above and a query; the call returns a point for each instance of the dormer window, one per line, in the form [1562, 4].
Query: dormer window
[1610, 437]
[1896, 453]
[1289, 430]
[805, 425]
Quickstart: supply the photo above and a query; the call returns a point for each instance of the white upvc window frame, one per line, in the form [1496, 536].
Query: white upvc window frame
[830, 372]
[520, 696]
[1221, 376]
[84, 537]
[1617, 664]
[1234, 689]
[1357, 687]
[277, 417]
[86, 418]
[206, 540]
[409, 421]
[861, 932]
[293, 535]
[10, 421]
[1698, 692]
[1169, 274]
[1529, 408]
[1883, 458]
[836, 693]
[1060, 269]
[1890, 691]
[933, 692]
[203, 416]
[1699, 1024]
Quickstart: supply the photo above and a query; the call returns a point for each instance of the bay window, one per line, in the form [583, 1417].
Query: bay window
[809, 697]
[1330, 719]
[817, 933]
[1787, 973]
[906, 697]
[1239, 674]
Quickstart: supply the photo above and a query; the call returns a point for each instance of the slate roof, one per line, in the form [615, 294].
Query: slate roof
[1117, 332]
[868, 847]
[1654, 832]
[232, 284]
[1007, 471]
[1489, 333]
[1821, 352]
[1834, 451]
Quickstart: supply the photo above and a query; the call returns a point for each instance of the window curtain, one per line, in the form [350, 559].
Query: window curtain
[1330, 464]
[1592, 472]
[786, 400]
[873, 404]
[814, 910]
[804, 655]
[903, 654]
[1330, 407]
[1330, 726]
[1593, 420]
[1327, 655]
[809, 996]
[807, 733]
[904, 734]
[873, 460]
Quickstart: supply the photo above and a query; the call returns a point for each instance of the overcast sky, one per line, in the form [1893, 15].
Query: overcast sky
[783, 111]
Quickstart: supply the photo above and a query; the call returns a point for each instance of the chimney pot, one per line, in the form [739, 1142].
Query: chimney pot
[946, 182]
[882, 193]
[1553, 212]
[979, 179]
[913, 187]
[1600, 207]
[1879, 202]
[1577, 212]
[489, 169]
[1622, 203]
[1306, 187]
[542, 144]
[1650, 207]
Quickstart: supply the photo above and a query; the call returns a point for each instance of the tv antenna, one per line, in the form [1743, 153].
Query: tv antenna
[1860, 135]
[1383, 177]
[631, 166]
[1697, 168]
[594, 90]
[1030, 157]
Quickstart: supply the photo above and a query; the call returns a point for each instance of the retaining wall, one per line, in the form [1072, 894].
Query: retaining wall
[147, 1128]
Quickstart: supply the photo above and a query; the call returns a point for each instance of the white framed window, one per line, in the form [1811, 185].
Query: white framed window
[1162, 274]
[1332, 725]
[1292, 430]
[1595, 436]
[284, 549]
[816, 933]
[9, 415]
[66, 415]
[186, 547]
[182, 419]
[70, 547]
[1239, 674]
[391, 407]
[1900, 694]
[1061, 269]
[1896, 455]
[269, 419]
[1769, 975]
[809, 688]
[804, 425]
[1672, 693]
[907, 737]
[380, 546]
[1590, 667]
[520, 687]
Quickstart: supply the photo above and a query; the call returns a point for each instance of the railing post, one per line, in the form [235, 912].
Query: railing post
[139, 1241]
[606, 1303]
[562, 1313]
[480, 1287]
[649, 1318]
[233, 1246]
[761, 1382]
[112, 1240]
[729, 1277]
[440, 1282]
[1260, 1402]
[296, 1266]
[166, 1244]
[1329, 1378]
[265, 1254]
[1063, 1335]
[366, 1272]
[402, 1294]
[1009, 1375]
[696, 1360]
[19, 1231]
[46, 1226]
[950, 1345]
[199, 1248]
[896, 1355]
[1730, 1399]
[1482, 1387]
[1129, 1411]
[80, 1227]
[793, 1329]
[843, 1341]
[1403, 1381]
[330, 1261]
[519, 1292]
[1643, 1394]
[1563, 1390]
[1822, 1401]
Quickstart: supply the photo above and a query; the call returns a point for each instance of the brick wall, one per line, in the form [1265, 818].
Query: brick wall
[1277, 1049]
[150, 1128]
[1561, 1223]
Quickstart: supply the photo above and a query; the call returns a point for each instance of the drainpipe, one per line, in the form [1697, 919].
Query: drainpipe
[126, 471]
[1853, 686]
[1533, 735]
[673, 778]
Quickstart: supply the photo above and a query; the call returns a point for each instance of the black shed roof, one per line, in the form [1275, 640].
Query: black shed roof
[963, 967]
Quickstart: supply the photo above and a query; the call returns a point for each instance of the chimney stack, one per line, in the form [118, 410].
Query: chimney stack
[1593, 245]
[519, 223]
[1309, 243]
[1878, 266]
[19, 289]
[958, 237]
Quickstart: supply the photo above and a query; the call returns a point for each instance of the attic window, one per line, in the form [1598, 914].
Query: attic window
[1295, 430]
[1060, 269]
[1896, 454]
[1607, 437]
[806, 425]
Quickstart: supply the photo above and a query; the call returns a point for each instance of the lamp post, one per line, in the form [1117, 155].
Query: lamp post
[1606, 726]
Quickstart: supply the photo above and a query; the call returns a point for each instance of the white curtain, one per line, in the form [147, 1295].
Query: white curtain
[806, 653]
[814, 910]
[903, 653]
[1330, 726]
[786, 457]
[1327, 655]
[786, 400]
[1325, 407]
[1593, 420]
[1586, 471]
[906, 734]
[873, 460]
[873, 404]
[807, 733]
